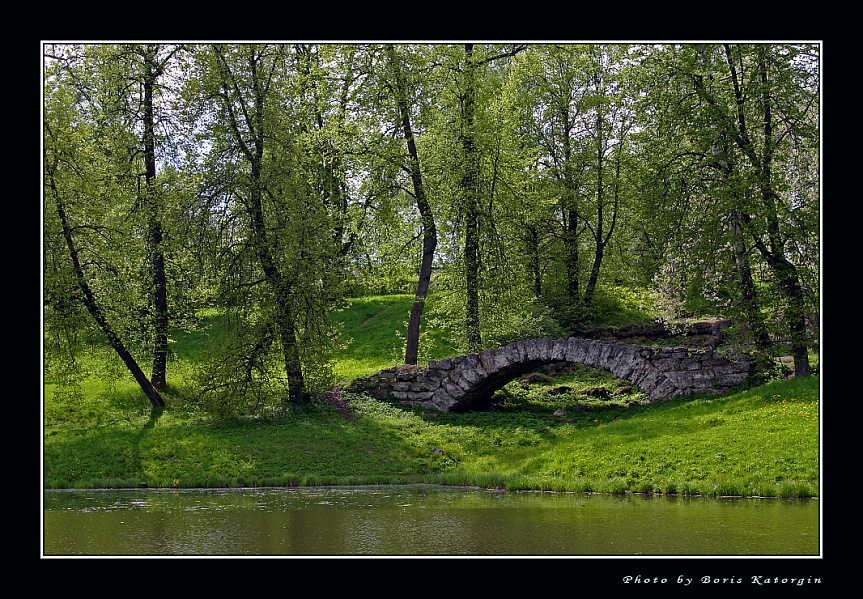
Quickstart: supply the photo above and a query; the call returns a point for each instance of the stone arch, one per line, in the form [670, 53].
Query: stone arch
[467, 382]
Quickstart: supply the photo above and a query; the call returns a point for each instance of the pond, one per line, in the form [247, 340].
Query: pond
[419, 520]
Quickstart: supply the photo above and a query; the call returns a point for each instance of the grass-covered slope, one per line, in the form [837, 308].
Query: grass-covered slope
[763, 441]
[375, 328]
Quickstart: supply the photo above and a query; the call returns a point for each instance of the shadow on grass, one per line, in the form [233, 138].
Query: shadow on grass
[682, 416]
[312, 446]
[155, 413]
[98, 456]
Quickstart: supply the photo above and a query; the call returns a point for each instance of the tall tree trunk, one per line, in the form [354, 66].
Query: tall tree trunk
[570, 238]
[749, 296]
[429, 230]
[772, 252]
[789, 283]
[569, 215]
[96, 311]
[785, 271]
[281, 288]
[570, 241]
[469, 191]
[154, 228]
[263, 249]
[291, 353]
[599, 248]
[533, 253]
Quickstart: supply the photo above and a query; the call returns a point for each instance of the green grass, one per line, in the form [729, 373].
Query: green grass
[619, 304]
[376, 327]
[760, 442]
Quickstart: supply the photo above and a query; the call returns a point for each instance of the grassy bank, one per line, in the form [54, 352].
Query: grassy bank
[759, 442]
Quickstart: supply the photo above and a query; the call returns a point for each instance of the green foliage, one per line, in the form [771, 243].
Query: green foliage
[720, 199]
[612, 304]
[575, 317]
[238, 372]
[507, 313]
[237, 377]
[617, 304]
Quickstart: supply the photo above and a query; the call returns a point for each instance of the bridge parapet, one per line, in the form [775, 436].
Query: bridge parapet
[468, 382]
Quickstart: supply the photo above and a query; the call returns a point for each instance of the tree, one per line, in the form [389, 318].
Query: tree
[575, 112]
[776, 83]
[122, 86]
[275, 120]
[400, 90]
[469, 191]
[244, 88]
[717, 201]
[469, 69]
[153, 68]
[612, 123]
[552, 104]
[72, 168]
[271, 181]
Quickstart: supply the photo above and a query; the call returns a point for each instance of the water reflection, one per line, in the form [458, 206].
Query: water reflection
[419, 520]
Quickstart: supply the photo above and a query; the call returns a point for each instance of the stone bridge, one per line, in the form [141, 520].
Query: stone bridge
[468, 382]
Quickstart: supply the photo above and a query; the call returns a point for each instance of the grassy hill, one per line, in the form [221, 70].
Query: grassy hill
[375, 327]
[763, 441]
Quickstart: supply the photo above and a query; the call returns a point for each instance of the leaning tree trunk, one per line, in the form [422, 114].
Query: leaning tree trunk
[412, 347]
[96, 311]
[429, 230]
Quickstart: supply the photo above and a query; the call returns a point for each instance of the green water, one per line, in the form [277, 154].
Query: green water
[419, 520]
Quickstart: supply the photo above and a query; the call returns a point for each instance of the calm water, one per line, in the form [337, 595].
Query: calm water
[419, 520]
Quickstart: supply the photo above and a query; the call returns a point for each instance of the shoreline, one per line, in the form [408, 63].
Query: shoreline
[422, 484]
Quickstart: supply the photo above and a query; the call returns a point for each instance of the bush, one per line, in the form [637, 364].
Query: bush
[575, 318]
[507, 313]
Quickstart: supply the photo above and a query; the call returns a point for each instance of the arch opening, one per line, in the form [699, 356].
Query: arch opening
[480, 397]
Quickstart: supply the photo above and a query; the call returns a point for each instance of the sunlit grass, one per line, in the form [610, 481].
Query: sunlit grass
[376, 329]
